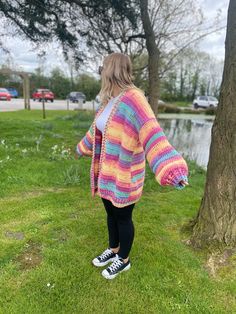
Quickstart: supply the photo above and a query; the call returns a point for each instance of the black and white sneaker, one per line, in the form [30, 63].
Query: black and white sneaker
[106, 257]
[115, 268]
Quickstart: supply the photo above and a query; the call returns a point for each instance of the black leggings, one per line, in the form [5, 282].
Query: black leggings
[120, 227]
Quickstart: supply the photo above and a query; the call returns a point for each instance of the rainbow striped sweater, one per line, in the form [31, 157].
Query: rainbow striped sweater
[132, 133]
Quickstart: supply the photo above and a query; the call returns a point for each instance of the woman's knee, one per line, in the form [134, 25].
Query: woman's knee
[123, 217]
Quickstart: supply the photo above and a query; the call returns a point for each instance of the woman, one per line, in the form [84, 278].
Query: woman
[123, 133]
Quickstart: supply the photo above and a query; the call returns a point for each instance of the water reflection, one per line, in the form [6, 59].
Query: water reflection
[191, 137]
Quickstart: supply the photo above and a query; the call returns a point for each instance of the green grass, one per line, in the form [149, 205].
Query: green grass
[51, 228]
[182, 103]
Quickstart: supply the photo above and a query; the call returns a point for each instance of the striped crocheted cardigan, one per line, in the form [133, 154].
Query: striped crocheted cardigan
[118, 155]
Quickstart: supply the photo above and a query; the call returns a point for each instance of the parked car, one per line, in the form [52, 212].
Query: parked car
[205, 102]
[4, 94]
[13, 91]
[38, 95]
[76, 97]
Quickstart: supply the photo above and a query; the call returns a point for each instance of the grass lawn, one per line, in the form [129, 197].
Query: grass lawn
[182, 103]
[51, 229]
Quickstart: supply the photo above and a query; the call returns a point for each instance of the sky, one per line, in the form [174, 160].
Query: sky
[215, 43]
[25, 58]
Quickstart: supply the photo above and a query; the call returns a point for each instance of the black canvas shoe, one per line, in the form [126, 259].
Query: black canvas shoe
[106, 257]
[115, 268]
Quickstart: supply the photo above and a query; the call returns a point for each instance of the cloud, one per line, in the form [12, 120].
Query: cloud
[23, 54]
[214, 44]
[214, 5]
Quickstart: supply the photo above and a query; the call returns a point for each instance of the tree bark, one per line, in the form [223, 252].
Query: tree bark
[216, 220]
[182, 81]
[153, 56]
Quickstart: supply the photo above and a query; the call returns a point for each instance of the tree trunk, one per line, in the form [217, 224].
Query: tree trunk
[182, 81]
[216, 219]
[195, 80]
[153, 56]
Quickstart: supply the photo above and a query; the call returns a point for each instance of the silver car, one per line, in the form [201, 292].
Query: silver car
[205, 102]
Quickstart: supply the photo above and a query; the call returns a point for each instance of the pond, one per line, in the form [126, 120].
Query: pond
[190, 134]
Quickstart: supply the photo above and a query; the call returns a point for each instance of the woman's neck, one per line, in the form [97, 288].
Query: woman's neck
[116, 91]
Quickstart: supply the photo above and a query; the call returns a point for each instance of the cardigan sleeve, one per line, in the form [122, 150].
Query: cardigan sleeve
[85, 146]
[165, 161]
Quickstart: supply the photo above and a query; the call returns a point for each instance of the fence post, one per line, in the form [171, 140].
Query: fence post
[24, 92]
[27, 91]
[43, 102]
[80, 100]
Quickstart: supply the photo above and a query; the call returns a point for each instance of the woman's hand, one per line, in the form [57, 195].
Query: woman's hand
[183, 183]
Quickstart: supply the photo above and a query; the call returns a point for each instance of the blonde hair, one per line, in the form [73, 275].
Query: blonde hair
[117, 71]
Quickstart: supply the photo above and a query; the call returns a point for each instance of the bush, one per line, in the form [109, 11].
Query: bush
[164, 108]
[211, 111]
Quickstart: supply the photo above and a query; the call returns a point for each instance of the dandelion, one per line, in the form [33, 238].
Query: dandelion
[48, 284]
[54, 147]
[38, 141]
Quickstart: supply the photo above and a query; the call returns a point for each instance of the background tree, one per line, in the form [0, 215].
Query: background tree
[59, 83]
[176, 25]
[194, 73]
[170, 23]
[216, 219]
[38, 80]
[88, 85]
[164, 29]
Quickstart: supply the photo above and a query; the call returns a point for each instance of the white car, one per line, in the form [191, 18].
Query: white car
[205, 102]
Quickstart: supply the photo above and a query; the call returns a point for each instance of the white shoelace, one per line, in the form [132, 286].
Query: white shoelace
[106, 254]
[115, 265]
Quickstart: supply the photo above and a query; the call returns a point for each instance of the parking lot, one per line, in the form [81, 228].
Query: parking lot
[18, 104]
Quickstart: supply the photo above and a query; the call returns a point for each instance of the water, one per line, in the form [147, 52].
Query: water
[189, 134]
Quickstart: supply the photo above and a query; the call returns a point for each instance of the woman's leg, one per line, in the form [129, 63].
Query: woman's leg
[126, 229]
[113, 231]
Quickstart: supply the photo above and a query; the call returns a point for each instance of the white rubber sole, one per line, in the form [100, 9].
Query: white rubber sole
[96, 262]
[108, 276]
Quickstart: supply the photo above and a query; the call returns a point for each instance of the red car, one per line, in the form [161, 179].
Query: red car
[4, 94]
[41, 93]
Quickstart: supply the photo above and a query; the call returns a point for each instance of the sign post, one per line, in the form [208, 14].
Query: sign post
[43, 102]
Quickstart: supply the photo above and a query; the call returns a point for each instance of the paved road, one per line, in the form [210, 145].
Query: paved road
[18, 104]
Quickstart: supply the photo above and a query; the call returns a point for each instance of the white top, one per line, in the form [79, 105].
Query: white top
[103, 117]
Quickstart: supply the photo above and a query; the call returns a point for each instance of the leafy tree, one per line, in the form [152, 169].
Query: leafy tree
[59, 84]
[163, 28]
[194, 73]
[88, 85]
[38, 80]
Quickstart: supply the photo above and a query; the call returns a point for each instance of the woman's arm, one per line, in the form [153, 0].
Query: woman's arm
[85, 146]
[167, 164]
